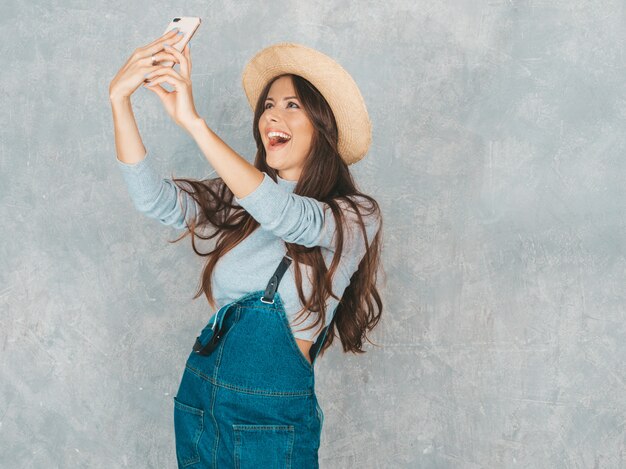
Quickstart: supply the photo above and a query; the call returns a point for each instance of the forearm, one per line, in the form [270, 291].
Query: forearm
[128, 144]
[239, 175]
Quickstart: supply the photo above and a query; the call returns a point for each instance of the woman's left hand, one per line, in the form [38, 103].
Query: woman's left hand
[178, 103]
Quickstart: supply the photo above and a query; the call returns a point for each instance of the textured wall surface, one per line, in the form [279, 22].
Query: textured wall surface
[497, 158]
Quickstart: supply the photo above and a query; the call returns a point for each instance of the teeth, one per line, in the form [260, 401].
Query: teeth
[278, 134]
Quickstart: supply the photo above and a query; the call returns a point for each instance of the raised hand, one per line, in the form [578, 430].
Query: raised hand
[178, 103]
[132, 74]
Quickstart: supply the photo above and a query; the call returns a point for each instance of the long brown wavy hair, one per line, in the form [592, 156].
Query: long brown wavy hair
[325, 177]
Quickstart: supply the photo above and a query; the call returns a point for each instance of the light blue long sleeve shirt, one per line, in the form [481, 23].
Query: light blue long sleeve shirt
[283, 217]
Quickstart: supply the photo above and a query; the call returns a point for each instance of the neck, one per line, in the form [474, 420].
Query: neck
[288, 175]
[286, 183]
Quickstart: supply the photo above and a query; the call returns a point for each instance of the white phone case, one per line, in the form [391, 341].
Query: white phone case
[188, 25]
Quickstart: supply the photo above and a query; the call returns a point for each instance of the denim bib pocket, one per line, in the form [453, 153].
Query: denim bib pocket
[263, 446]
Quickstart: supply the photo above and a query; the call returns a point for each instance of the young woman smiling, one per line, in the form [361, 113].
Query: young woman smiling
[294, 218]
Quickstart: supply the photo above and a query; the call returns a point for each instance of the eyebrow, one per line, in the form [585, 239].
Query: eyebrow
[284, 99]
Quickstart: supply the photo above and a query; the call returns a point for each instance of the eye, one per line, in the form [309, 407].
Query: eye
[290, 102]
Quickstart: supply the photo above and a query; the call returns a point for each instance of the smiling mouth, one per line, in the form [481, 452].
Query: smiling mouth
[276, 143]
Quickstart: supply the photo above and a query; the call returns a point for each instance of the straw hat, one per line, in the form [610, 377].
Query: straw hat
[331, 80]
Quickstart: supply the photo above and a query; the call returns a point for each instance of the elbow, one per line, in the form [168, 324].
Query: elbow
[301, 234]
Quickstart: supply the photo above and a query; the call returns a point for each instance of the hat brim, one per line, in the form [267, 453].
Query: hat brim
[332, 81]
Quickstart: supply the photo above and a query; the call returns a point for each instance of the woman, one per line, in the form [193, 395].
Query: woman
[247, 395]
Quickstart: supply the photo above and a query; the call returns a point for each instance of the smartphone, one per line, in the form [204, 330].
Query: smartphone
[188, 25]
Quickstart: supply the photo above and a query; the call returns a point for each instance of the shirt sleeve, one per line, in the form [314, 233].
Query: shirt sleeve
[309, 222]
[156, 197]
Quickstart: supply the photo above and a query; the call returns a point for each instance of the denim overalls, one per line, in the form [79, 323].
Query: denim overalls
[247, 395]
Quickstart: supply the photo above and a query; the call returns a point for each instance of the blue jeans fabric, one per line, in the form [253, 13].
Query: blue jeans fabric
[251, 402]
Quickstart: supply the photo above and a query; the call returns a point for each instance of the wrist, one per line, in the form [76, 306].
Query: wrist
[119, 100]
[196, 125]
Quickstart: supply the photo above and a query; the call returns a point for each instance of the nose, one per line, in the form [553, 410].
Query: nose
[270, 115]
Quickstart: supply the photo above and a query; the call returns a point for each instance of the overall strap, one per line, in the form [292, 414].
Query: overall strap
[268, 297]
[272, 285]
[317, 345]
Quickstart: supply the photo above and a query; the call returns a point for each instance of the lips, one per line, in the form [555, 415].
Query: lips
[274, 129]
[276, 144]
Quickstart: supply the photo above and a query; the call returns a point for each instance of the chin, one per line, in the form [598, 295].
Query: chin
[270, 157]
[271, 162]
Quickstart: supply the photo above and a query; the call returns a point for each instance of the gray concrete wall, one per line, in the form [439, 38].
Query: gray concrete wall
[498, 160]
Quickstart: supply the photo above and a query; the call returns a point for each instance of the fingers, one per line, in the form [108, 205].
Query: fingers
[169, 40]
[157, 45]
[167, 35]
[165, 74]
[171, 80]
[187, 51]
[185, 65]
[146, 63]
[160, 57]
